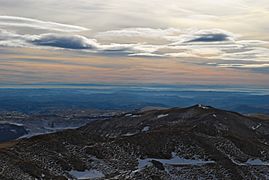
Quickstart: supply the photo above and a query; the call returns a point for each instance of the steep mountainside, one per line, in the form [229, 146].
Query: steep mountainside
[196, 142]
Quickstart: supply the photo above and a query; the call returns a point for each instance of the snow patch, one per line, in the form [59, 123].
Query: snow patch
[162, 115]
[145, 129]
[250, 162]
[135, 116]
[132, 115]
[203, 107]
[175, 160]
[127, 115]
[11, 123]
[87, 174]
[13, 130]
[257, 162]
[129, 134]
[235, 162]
[256, 127]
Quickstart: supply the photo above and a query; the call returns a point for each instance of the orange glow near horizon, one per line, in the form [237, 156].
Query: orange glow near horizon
[37, 66]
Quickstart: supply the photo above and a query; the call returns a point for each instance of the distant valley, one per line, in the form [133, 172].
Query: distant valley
[130, 98]
[14, 125]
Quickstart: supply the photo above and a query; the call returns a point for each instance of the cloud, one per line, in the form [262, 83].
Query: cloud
[78, 42]
[53, 40]
[146, 55]
[177, 36]
[212, 47]
[69, 41]
[244, 65]
[10, 39]
[65, 41]
[204, 36]
[140, 32]
[211, 35]
[4, 35]
[14, 21]
[210, 38]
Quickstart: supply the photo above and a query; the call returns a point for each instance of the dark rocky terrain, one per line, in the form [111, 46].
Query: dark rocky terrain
[198, 142]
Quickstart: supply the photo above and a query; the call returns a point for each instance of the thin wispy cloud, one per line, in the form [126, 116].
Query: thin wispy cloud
[140, 32]
[244, 65]
[14, 21]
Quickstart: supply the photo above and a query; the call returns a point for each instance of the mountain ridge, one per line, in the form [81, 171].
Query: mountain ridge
[195, 142]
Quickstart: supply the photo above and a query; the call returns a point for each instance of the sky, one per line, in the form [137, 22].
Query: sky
[205, 42]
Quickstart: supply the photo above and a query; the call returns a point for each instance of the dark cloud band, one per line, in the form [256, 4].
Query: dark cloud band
[219, 37]
[65, 41]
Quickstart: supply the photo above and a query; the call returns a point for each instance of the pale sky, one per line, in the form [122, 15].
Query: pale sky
[135, 41]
